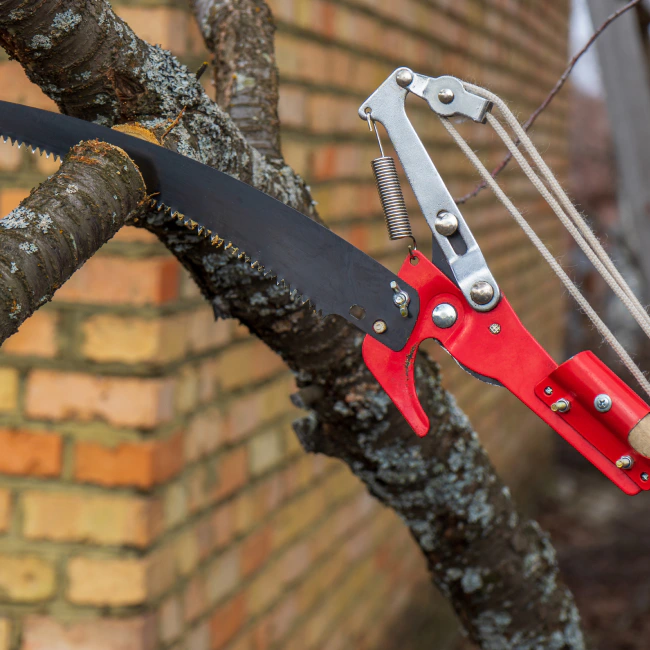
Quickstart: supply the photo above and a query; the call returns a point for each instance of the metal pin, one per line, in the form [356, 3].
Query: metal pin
[379, 326]
[625, 462]
[561, 406]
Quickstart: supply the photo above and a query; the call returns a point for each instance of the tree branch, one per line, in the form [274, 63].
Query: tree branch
[61, 225]
[481, 555]
[240, 35]
[549, 98]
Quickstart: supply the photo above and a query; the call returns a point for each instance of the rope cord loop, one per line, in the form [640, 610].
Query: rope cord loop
[573, 290]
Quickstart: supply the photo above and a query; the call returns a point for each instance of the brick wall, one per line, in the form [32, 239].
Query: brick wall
[152, 494]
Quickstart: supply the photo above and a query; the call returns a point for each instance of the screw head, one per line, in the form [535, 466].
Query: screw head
[404, 77]
[444, 315]
[561, 406]
[446, 95]
[603, 403]
[379, 326]
[625, 462]
[495, 328]
[446, 223]
[481, 293]
[548, 390]
[645, 476]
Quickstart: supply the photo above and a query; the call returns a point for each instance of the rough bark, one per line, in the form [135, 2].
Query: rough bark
[498, 570]
[61, 225]
[240, 34]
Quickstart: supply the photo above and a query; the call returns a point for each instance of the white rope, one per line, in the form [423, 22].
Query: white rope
[552, 262]
[593, 249]
[633, 306]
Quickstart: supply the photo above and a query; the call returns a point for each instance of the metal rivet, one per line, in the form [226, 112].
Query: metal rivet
[548, 390]
[379, 326]
[495, 328]
[446, 223]
[625, 462]
[401, 299]
[481, 293]
[446, 95]
[404, 77]
[444, 315]
[603, 403]
[561, 406]
[644, 476]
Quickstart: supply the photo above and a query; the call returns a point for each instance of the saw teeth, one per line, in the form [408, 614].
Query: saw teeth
[191, 224]
[200, 230]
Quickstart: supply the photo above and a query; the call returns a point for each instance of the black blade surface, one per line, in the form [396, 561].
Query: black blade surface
[314, 261]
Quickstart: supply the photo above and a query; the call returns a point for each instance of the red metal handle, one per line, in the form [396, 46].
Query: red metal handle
[496, 344]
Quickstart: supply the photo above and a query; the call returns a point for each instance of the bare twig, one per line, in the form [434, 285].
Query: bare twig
[556, 89]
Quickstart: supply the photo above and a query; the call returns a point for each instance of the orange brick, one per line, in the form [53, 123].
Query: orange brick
[30, 454]
[128, 402]
[36, 336]
[17, 88]
[232, 472]
[141, 464]
[11, 197]
[162, 26]
[130, 340]
[256, 549]
[9, 381]
[65, 516]
[26, 578]
[115, 582]
[5, 633]
[10, 157]
[105, 280]
[44, 633]
[227, 621]
[5, 510]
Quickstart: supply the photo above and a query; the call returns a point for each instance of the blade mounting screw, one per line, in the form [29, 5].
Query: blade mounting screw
[548, 390]
[404, 77]
[446, 223]
[379, 326]
[603, 403]
[625, 462]
[481, 293]
[644, 476]
[401, 299]
[495, 328]
[561, 406]
[444, 315]
[446, 95]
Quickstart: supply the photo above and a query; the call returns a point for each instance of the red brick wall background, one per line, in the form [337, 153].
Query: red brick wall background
[152, 494]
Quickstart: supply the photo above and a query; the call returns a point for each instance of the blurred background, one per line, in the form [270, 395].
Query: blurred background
[152, 493]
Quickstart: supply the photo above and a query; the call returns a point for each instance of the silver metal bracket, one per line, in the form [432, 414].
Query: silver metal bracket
[446, 96]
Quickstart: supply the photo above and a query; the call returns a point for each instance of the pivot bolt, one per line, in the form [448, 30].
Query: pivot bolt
[481, 293]
[446, 95]
[444, 315]
[404, 77]
[625, 462]
[561, 406]
[379, 326]
[446, 223]
[603, 403]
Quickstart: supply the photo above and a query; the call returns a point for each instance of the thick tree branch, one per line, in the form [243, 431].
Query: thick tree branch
[240, 35]
[481, 555]
[61, 225]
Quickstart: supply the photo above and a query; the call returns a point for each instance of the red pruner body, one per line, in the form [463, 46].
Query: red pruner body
[581, 399]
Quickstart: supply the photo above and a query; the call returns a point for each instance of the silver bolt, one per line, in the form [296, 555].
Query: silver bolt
[625, 462]
[446, 223]
[446, 95]
[548, 390]
[495, 328]
[379, 326]
[644, 476]
[561, 406]
[404, 77]
[444, 315]
[481, 293]
[603, 403]
[401, 299]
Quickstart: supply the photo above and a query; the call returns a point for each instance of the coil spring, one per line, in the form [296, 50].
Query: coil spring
[392, 199]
